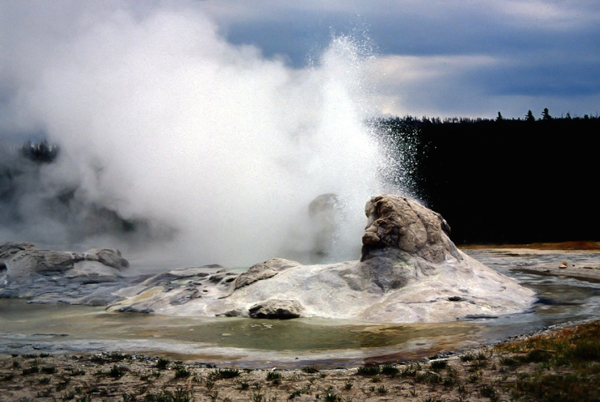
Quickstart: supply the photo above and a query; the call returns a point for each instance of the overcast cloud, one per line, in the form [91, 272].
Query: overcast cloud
[441, 58]
[444, 58]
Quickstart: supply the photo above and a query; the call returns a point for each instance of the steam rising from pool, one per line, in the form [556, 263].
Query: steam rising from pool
[218, 149]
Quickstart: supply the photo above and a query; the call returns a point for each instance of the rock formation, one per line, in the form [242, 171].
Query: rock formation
[409, 271]
[61, 276]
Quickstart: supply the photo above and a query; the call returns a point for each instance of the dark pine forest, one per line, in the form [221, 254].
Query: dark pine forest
[505, 180]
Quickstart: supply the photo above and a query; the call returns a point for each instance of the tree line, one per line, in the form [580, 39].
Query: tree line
[502, 180]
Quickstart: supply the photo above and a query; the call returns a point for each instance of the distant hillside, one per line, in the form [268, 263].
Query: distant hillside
[506, 181]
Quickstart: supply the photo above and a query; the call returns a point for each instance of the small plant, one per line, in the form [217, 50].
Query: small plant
[448, 381]
[8, 377]
[273, 376]
[116, 372]
[257, 397]
[44, 393]
[67, 396]
[382, 390]
[128, 397]
[487, 391]
[244, 385]
[48, 370]
[438, 365]
[537, 356]
[182, 372]
[162, 364]
[481, 356]
[224, 373]
[509, 361]
[390, 370]
[44, 380]
[368, 370]
[467, 358]
[31, 370]
[473, 378]
[62, 385]
[117, 357]
[348, 386]
[409, 371]
[179, 395]
[331, 397]
[310, 369]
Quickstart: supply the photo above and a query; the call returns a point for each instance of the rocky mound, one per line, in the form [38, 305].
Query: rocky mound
[51, 276]
[409, 271]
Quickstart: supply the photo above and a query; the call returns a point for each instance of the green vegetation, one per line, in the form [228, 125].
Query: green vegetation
[368, 370]
[224, 373]
[567, 365]
[162, 364]
[562, 365]
[182, 372]
[310, 369]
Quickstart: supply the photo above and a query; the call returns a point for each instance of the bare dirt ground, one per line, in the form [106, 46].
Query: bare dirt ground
[561, 363]
[504, 372]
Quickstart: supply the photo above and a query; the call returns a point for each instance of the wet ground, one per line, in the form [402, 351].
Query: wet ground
[31, 328]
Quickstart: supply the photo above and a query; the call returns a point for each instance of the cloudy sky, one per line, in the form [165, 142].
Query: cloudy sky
[436, 58]
[445, 58]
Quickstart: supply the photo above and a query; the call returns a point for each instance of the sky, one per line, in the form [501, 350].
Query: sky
[436, 58]
[444, 58]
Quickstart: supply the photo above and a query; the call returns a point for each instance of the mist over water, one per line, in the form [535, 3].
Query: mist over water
[212, 149]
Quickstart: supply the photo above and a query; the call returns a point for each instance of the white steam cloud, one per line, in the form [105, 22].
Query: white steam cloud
[160, 119]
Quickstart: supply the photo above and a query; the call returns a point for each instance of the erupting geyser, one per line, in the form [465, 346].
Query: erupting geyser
[212, 150]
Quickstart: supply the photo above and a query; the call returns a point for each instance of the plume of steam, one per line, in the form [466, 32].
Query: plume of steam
[211, 150]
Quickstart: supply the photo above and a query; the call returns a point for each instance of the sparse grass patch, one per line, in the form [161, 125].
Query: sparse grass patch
[182, 372]
[162, 364]
[180, 394]
[310, 369]
[219, 374]
[410, 371]
[274, 377]
[368, 370]
[31, 370]
[572, 353]
[391, 370]
[48, 370]
[438, 365]
[116, 372]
